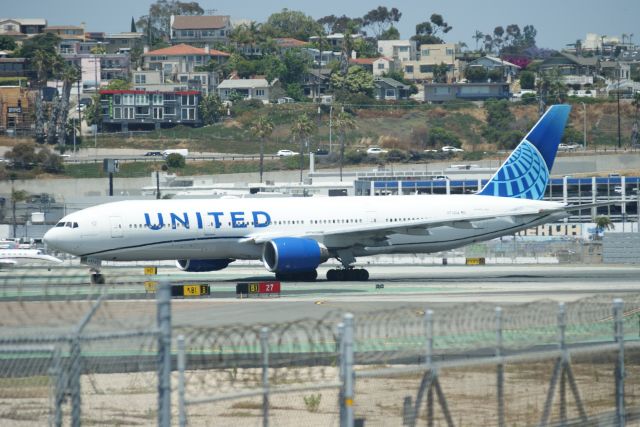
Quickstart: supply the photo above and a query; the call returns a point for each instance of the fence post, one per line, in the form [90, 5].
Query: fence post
[264, 345]
[340, 338]
[562, 331]
[75, 370]
[182, 366]
[163, 307]
[428, 319]
[347, 356]
[618, 307]
[60, 380]
[499, 367]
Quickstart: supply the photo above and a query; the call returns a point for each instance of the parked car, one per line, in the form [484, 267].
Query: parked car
[153, 154]
[286, 153]
[568, 147]
[322, 152]
[376, 150]
[286, 100]
[451, 149]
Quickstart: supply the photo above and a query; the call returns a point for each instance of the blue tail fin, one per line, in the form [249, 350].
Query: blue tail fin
[525, 174]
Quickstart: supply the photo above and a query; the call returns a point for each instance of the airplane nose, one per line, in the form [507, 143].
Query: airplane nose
[52, 239]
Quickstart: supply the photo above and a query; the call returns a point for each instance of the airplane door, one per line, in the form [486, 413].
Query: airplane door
[116, 226]
[371, 217]
[209, 226]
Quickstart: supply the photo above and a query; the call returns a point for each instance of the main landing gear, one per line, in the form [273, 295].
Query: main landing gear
[297, 276]
[348, 275]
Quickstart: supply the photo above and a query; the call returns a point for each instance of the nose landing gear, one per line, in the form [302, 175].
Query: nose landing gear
[97, 278]
[348, 274]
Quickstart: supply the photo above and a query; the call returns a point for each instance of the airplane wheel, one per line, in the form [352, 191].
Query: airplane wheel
[363, 275]
[332, 275]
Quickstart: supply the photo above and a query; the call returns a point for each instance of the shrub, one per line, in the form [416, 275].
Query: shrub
[175, 160]
[312, 402]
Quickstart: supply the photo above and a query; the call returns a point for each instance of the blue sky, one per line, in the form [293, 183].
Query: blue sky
[558, 21]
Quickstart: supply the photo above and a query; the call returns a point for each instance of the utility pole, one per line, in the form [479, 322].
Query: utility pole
[618, 92]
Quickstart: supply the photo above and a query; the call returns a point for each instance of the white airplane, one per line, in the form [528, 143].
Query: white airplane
[11, 257]
[293, 236]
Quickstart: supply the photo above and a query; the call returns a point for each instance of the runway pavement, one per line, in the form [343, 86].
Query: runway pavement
[390, 286]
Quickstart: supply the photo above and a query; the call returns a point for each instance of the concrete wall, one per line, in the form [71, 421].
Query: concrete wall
[621, 248]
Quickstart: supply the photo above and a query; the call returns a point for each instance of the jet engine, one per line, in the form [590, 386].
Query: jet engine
[291, 254]
[201, 265]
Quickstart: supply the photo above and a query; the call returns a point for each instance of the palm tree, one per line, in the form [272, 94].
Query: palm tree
[262, 128]
[41, 62]
[478, 36]
[603, 223]
[56, 67]
[343, 122]
[70, 75]
[302, 129]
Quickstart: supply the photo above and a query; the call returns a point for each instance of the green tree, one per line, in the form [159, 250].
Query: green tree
[439, 136]
[527, 80]
[156, 24]
[440, 73]
[211, 108]
[133, 26]
[356, 81]
[429, 32]
[7, 43]
[118, 84]
[93, 113]
[602, 223]
[291, 23]
[475, 74]
[175, 160]
[381, 19]
[302, 129]
[501, 127]
[41, 54]
[343, 122]
[22, 156]
[262, 128]
[99, 50]
[69, 76]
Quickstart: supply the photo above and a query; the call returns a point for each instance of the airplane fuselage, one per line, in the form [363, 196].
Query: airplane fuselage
[219, 228]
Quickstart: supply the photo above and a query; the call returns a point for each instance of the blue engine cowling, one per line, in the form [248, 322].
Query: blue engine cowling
[290, 254]
[200, 265]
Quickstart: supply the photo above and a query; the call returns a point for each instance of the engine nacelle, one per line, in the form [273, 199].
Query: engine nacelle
[290, 254]
[201, 265]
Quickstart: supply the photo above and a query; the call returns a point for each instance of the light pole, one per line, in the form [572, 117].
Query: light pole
[618, 92]
[330, 124]
[584, 119]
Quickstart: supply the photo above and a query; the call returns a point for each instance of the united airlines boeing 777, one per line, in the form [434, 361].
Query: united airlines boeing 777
[293, 236]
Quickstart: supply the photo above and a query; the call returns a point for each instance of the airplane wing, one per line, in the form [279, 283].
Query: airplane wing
[377, 234]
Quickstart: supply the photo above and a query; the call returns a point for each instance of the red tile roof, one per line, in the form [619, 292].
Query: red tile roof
[362, 61]
[181, 22]
[183, 49]
[289, 42]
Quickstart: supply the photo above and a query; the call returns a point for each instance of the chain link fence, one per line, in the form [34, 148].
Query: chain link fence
[76, 354]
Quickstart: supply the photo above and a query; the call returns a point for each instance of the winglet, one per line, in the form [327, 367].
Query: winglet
[525, 174]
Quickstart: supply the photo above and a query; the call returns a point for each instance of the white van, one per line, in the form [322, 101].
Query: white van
[182, 151]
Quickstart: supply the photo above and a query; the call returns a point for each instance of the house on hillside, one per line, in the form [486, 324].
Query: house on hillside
[399, 50]
[21, 28]
[491, 63]
[430, 56]
[443, 92]
[200, 30]
[574, 70]
[388, 89]
[259, 89]
[178, 65]
[316, 82]
[16, 109]
[125, 110]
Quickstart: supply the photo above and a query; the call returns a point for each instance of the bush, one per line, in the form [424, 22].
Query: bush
[175, 160]
[312, 402]
[355, 157]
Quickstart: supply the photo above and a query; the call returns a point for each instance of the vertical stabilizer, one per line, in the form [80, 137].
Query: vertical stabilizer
[525, 174]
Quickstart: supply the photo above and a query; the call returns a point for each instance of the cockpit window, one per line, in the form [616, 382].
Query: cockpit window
[75, 225]
[69, 224]
[60, 224]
